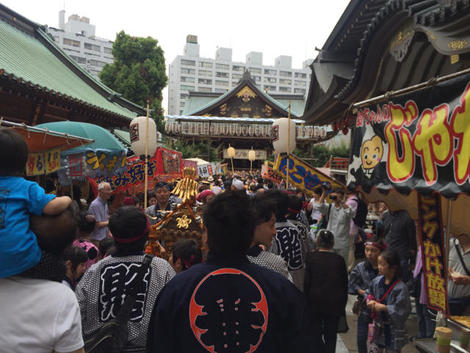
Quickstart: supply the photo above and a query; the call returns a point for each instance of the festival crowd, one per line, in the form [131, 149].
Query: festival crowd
[274, 273]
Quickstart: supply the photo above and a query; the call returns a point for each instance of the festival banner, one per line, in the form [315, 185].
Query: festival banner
[301, 174]
[43, 162]
[267, 172]
[420, 141]
[90, 163]
[165, 165]
[433, 251]
[132, 176]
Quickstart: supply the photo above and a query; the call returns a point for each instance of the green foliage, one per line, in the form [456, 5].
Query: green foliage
[321, 154]
[138, 72]
[195, 150]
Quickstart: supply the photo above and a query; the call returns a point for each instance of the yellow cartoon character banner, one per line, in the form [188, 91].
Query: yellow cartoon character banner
[302, 175]
[420, 141]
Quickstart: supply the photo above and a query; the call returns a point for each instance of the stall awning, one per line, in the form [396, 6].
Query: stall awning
[40, 139]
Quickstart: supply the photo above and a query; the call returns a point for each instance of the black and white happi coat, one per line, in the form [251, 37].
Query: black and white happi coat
[100, 295]
[288, 244]
[268, 260]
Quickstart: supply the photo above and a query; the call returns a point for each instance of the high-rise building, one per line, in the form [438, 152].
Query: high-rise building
[190, 72]
[77, 38]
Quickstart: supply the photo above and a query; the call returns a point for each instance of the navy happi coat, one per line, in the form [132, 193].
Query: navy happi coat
[229, 305]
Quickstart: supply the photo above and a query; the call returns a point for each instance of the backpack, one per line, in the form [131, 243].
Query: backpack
[112, 336]
[361, 213]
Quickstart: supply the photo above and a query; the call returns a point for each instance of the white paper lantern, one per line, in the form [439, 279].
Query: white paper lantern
[137, 134]
[230, 152]
[279, 135]
[251, 155]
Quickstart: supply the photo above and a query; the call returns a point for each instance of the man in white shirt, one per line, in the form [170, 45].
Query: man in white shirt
[40, 315]
[339, 216]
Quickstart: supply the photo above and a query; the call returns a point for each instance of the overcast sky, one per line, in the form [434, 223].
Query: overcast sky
[293, 27]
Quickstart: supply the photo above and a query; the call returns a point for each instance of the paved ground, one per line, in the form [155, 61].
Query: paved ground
[347, 341]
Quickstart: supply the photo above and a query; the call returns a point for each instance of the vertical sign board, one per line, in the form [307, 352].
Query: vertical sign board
[433, 251]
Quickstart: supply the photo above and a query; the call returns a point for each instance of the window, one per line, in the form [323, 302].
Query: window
[108, 50]
[238, 68]
[205, 64]
[96, 63]
[221, 74]
[284, 81]
[188, 71]
[270, 72]
[285, 73]
[236, 76]
[222, 67]
[284, 89]
[299, 90]
[204, 89]
[270, 88]
[221, 83]
[187, 79]
[204, 81]
[220, 90]
[182, 104]
[270, 80]
[188, 62]
[254, 70]
[300, 83]
[71, 42]
[90, 46]
[300, 75]
[205, 73]
[184, 95]
[257, 78]
[78, 59]
[187, 88]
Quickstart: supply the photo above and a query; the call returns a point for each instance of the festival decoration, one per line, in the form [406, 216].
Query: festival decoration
[301, 174]
[283, 135]
[138, 131]
[231, 154]
[251, 158]
[186, 188]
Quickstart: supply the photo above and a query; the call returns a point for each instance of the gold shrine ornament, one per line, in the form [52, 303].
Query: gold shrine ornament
[183, 222]
[246, 94]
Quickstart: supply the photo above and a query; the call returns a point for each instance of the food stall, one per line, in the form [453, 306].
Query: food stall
[412, 151]
[44, 146]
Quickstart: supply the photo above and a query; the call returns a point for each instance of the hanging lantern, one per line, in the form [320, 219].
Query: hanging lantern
[230, 152]
[251, 155]
[282, 142]
[137, 131]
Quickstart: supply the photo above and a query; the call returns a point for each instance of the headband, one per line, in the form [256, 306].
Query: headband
[381, 247]
[137, 237]
[291, 210]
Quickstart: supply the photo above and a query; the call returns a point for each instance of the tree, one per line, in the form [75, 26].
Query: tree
[138, 72]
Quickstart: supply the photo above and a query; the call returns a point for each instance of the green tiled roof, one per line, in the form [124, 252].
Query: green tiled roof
[30, 61]
[196, 104]
[297, 106]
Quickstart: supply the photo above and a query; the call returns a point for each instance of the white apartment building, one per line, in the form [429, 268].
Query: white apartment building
[77, 38]
[189, 72]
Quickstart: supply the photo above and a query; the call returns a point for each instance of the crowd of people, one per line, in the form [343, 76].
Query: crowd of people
[276, 276]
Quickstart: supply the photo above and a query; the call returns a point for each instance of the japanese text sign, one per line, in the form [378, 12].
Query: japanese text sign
[433, 251]
[43, 162]
[302, 175]
[419, 141]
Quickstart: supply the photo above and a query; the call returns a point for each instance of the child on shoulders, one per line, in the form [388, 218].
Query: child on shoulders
[19, 199]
